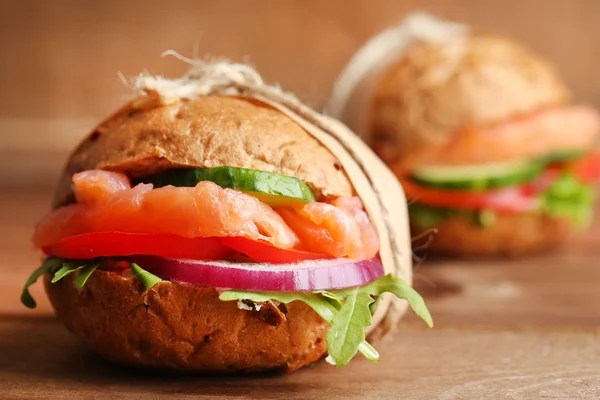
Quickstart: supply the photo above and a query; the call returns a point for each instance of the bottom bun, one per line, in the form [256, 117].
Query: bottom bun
[510, 235]
[184, 327]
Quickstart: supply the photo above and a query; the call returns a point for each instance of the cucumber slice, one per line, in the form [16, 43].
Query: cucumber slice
[566, 155]
[478, 177]
[273, 189]
[425, 217]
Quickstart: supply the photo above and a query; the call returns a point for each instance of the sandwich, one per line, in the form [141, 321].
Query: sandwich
[211, 232]
[481, 131]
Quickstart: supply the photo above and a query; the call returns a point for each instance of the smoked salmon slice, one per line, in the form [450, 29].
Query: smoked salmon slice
[106, 202]
[525, 137]
[341, 228]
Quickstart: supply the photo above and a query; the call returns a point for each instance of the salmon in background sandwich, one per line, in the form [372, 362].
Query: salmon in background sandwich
[480, 131]
[206, 226]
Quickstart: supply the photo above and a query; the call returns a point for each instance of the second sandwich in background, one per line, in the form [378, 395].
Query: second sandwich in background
[481, 133]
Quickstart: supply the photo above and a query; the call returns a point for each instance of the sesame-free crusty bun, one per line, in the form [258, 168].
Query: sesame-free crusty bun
[436, 90]
[510, 235]
[184, 327]
[147, 136]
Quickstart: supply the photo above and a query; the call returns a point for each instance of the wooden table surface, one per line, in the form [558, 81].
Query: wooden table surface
[505, 329]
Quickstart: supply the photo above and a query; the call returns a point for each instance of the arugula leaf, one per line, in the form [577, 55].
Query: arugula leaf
[331, 297]
[348, 327]
[401, 289]
[348, 311]
[66, 269]
[49, 265]
[316, 301]
[373, 306]
[147, 279]
[61, 268]
[368, 351]
[84, 274]
[321, 306]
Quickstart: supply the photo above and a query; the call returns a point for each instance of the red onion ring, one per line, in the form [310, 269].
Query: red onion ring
[302, 276]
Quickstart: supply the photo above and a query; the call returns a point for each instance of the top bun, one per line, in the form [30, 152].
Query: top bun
[147, 136]
[436, 89]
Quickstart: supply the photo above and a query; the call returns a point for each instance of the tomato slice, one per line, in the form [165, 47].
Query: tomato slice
[107, 244]
[508, 200]
[266, 252]
[586, 169]
[113, 244]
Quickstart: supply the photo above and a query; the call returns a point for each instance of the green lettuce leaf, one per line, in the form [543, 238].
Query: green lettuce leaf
[569, 198]
[50, 264]
[147, 279]
[347, 311]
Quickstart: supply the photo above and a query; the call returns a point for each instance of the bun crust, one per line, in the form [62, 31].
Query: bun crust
[184, 327]
[145, 137]
[510, 235]
[438, 89]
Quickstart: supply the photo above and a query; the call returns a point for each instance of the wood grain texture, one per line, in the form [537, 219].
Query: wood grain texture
[40, 360]
[505, 329]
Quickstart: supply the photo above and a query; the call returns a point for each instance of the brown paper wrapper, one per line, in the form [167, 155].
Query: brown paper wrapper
[374, 183]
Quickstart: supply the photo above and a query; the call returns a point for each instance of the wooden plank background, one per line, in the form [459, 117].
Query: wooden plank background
[59, 59]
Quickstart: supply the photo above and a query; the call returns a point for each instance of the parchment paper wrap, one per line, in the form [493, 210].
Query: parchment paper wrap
[374, 183]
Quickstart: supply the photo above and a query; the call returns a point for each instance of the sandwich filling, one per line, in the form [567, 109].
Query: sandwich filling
[254, 235]
[543, 164]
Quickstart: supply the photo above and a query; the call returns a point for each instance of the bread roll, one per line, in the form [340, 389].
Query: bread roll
[144, 138]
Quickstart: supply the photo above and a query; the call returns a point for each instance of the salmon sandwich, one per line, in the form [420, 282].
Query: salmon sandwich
[482, 133]
[212, 233]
